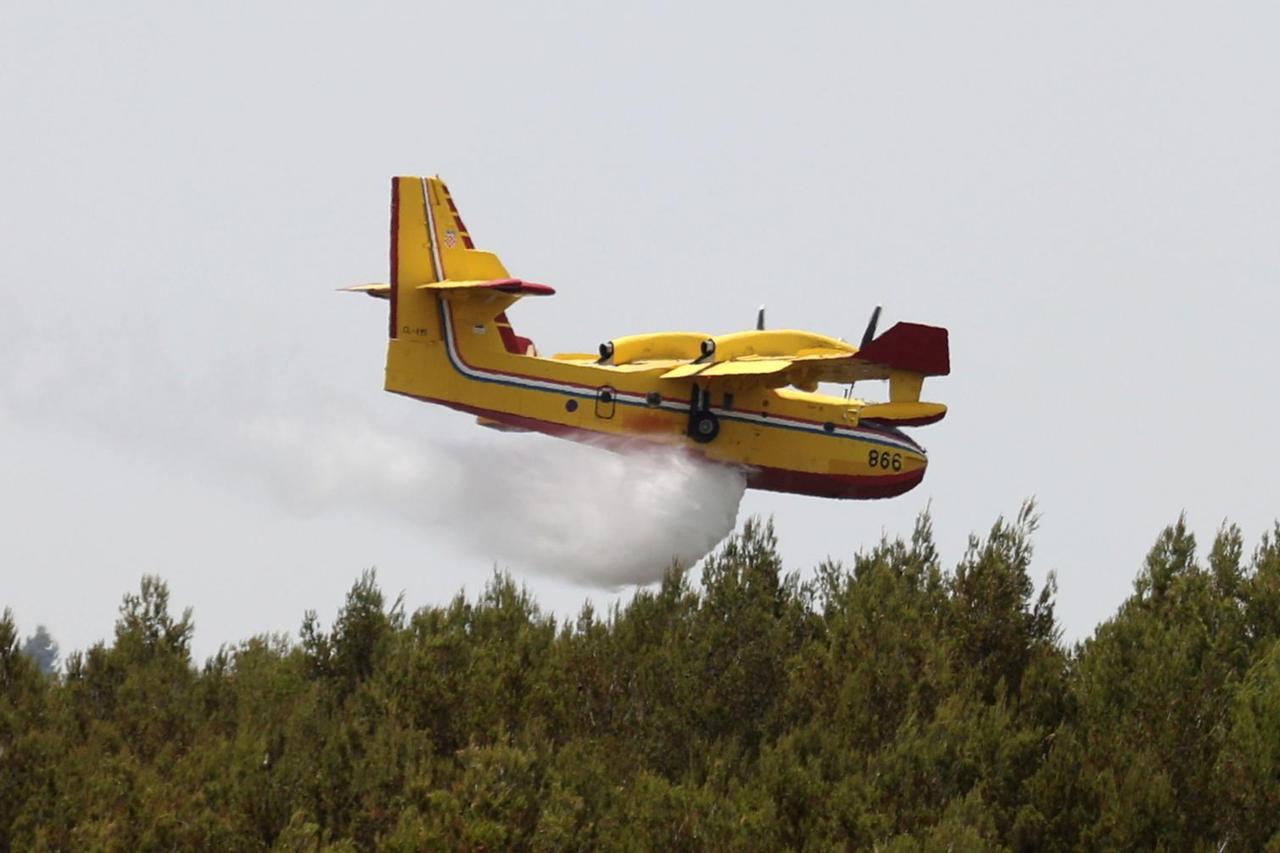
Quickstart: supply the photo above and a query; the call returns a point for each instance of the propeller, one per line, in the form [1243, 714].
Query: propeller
[870, 333]
[760, 319]
[867, 337]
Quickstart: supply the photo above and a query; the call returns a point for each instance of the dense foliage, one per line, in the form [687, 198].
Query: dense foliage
[890, 704]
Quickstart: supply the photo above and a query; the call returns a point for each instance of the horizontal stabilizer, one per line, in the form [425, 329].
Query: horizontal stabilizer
[378, 290]
[502, 285]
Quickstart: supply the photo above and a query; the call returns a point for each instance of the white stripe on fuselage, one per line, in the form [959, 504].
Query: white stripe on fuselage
[429, 215]
[634, 399]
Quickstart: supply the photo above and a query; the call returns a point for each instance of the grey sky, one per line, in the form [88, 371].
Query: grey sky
[1086, 195]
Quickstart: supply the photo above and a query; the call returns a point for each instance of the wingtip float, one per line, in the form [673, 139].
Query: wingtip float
[747, 398]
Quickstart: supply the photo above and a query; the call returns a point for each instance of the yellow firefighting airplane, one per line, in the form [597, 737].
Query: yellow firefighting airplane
[747, 399]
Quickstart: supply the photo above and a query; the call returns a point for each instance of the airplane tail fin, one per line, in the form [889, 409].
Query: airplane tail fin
[432, 255]
[429, 241]
[413, 255]
[456, 255]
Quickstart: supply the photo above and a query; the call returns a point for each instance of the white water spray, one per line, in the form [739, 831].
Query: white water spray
[526, 502]
[531, 503]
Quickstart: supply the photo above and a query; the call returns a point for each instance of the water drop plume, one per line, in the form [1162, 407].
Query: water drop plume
[582, 513]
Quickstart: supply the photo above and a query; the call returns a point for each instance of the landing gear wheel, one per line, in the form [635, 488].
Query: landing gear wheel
[703, 427]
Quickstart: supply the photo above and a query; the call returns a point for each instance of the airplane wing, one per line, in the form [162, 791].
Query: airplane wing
[749, 366]
[904, 355]
[905, 348]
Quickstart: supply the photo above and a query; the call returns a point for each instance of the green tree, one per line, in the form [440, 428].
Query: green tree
[892, 704]
[1150, 691]
[1248, 769]
[998, 628]
[23, 751]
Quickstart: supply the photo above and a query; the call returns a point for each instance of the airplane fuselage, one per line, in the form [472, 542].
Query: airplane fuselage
[785, 440]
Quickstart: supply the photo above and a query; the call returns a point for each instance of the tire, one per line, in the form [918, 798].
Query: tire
[703, 427]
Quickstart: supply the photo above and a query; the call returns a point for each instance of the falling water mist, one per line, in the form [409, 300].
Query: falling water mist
[531, 503]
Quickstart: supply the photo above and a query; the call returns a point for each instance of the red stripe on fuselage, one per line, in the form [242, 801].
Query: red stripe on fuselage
[395, 255]
[846, 486]
[843, 486]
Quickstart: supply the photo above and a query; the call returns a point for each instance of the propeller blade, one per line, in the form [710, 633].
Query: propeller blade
[870, 333]
[760, 319]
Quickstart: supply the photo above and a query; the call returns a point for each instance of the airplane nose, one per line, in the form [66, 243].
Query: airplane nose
[888, 484]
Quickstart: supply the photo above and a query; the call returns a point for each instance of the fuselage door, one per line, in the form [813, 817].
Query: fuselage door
[606, 401]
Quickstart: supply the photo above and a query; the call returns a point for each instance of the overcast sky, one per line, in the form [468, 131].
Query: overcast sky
[1087, 195]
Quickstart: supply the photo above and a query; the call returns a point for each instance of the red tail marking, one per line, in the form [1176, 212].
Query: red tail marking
[395, 255]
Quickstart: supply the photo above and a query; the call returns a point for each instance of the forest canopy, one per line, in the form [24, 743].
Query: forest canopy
[891, 703]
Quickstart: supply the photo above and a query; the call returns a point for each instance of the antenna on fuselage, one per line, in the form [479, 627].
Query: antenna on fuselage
[760, 319]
